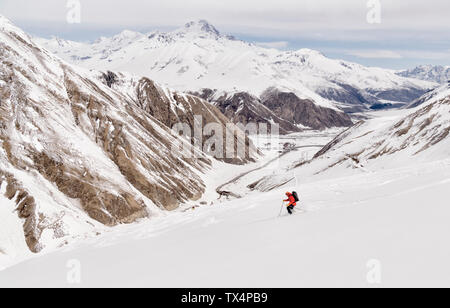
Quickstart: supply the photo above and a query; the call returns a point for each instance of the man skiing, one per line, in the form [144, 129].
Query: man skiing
[292, 202]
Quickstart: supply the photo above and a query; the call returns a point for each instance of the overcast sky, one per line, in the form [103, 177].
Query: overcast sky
[411, 32]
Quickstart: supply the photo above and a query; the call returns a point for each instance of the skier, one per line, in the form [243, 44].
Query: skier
[292, 202]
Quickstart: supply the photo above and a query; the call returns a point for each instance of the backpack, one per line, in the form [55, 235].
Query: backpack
[295, 196]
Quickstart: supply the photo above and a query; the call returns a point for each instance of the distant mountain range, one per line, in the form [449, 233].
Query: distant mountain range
[439, 74]
[197, 58]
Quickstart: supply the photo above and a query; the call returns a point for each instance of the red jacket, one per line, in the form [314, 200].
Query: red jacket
[291, 200]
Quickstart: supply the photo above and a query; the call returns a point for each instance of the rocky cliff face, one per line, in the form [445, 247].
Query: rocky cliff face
[290, 107]
[286, 109]
[245, 108]
[172, 108]
[77, 155]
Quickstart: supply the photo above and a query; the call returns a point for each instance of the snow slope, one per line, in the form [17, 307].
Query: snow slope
[397, 217]
[437, 94]
[198, 56]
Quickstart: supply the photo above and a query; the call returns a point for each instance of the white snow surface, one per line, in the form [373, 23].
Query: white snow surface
[348, 218]
[398, 217]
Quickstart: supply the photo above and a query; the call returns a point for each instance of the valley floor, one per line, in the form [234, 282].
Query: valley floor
[392, 221]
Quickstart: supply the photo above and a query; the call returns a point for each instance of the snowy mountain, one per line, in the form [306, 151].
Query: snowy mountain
[435, 94]
[393, 139]
[198, 57]
[439, 74]
[423, 135]
[81, 151]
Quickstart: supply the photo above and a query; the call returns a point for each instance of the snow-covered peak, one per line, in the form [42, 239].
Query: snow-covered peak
[4, 21]
[7, 25]
[7, 28]
[200, 27]
[61, 42]
[127, 35]
[310, 52]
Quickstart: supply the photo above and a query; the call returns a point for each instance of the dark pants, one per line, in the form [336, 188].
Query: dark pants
[290, 209]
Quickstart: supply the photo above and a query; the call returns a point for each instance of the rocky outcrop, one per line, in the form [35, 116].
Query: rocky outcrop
[245, 108]
[172, 108]
[110, 78]
[26, 210]
[290, 107]
[291, 113]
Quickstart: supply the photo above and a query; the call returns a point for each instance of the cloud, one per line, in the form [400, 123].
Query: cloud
[317, 24]
[375, 54]
[276, 45]
[400, 54]
[285, 17]
[427, 54]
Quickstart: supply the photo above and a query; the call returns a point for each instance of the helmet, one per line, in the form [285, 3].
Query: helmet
[288, 194]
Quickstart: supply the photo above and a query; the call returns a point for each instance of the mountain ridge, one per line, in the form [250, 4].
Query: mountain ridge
[197, 56]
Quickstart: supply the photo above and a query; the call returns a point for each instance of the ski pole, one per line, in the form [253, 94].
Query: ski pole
[281, 210]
